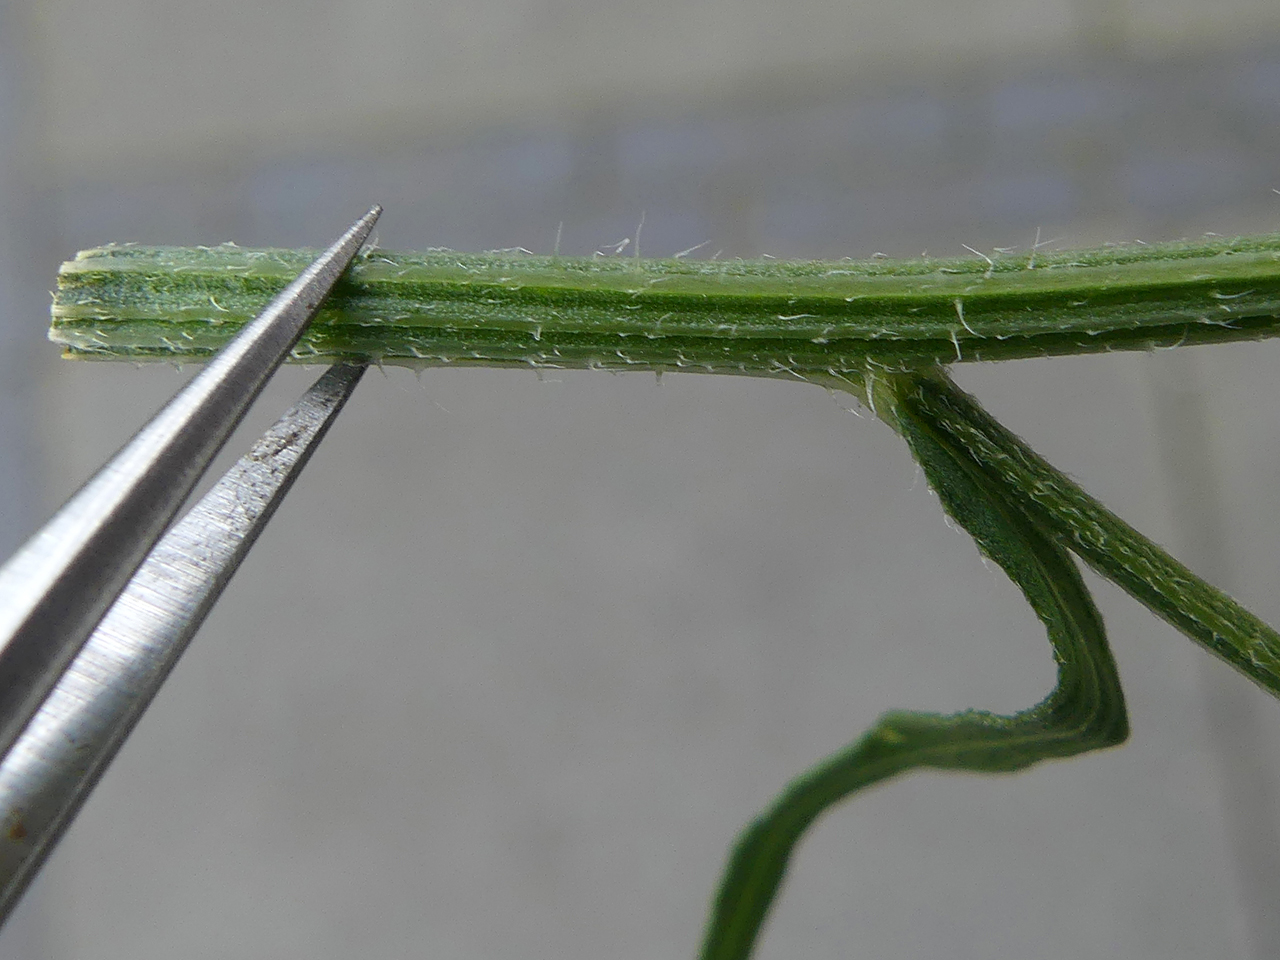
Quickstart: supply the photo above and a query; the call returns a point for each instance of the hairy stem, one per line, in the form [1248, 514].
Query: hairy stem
[765, 317]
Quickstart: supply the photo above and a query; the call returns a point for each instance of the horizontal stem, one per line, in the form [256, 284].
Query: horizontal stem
[760, 317]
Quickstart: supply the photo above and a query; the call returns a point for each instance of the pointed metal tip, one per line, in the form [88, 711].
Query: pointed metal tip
[362, 228]
[346, 247]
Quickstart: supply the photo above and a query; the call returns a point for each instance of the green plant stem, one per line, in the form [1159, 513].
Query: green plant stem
[1113, 548]
[1084, 712]
[1024, 514]
[760, 317]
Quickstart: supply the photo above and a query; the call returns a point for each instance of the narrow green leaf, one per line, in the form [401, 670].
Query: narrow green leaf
[1085, 711]
[1104, 541]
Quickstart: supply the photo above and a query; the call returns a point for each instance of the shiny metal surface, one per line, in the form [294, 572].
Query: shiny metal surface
[57, 587]
[57, 760]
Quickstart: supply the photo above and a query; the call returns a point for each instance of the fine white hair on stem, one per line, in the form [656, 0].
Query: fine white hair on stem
[688, 250]
[991, 264]
[615, 249]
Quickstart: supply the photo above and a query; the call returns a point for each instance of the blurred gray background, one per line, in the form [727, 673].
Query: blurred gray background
[520, 655]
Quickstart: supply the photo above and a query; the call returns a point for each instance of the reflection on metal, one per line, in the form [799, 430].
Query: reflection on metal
[59, 757]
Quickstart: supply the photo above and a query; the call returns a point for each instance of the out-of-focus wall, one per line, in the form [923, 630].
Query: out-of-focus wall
[123, 79]
[520, 655]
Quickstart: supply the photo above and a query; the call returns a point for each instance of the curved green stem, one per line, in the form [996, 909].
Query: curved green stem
[1084, 712]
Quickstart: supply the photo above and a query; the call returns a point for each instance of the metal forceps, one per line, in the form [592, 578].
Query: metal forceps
[92, 619]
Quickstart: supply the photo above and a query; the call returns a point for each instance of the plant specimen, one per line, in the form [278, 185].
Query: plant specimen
[882, 330]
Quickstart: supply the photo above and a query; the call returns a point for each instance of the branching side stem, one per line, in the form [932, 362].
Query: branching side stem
[1084, 712]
